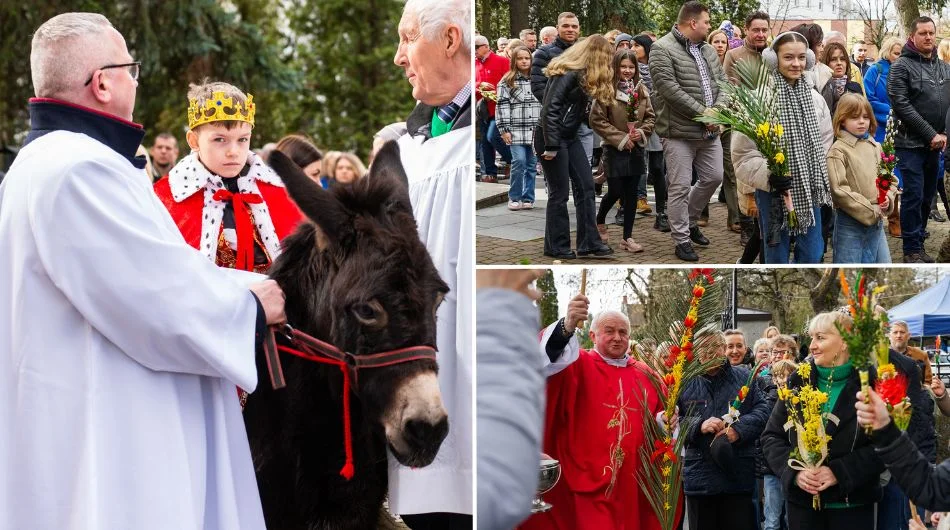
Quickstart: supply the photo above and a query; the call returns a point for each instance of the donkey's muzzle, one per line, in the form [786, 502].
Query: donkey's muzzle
[423, 439]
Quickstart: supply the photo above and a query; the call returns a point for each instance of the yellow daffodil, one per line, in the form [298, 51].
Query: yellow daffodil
[779, 130]
[780, 158]
[804, 370]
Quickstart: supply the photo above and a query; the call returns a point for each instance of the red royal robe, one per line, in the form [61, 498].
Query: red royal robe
[188, 213]
[579, 401]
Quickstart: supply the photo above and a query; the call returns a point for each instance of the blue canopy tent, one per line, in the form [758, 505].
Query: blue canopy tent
[928, 313]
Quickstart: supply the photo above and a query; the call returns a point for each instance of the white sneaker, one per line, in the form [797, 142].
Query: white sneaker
[514, 205]
[527, 205]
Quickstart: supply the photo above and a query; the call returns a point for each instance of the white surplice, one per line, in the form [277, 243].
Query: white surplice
[120, 349]
[442, 192]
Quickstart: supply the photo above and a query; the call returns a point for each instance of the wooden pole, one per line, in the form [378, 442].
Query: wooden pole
[584, 281]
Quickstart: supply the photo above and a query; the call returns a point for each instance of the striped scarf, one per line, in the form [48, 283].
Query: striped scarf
[803, 150]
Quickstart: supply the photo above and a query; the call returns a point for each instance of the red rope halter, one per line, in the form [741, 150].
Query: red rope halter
[316, 350]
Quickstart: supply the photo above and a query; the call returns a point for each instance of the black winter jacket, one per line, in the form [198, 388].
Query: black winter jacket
[770, 392]
[565, 107]
[539, 61]
[922, 428]
[709, 396]
[850, 455]
[926, 485]
[919, 90]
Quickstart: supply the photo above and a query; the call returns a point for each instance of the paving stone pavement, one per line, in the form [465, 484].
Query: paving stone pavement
[507, 237]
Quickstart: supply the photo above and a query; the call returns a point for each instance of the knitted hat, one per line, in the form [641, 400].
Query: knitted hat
[622, 37]
[645, 42]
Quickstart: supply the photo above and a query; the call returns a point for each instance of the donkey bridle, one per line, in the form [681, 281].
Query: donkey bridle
[316, 350]
[313, 349]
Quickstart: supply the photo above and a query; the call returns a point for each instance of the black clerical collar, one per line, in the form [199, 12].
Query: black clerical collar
[123, 137]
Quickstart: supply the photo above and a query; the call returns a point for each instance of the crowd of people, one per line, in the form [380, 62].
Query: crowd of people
[744, 481]
[619, 110]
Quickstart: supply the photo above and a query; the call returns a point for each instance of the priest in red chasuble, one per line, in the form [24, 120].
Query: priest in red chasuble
[586, 390]
[226, 202]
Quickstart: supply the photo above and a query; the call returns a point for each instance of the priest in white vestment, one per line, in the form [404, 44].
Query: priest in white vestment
[438, 154]
[120, 345]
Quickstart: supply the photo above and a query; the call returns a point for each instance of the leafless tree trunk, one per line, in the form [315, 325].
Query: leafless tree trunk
[824, 288]
[908, 10]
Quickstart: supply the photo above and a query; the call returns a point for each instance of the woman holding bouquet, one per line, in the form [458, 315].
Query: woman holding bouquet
[847, 480]
[624, 126]
[576, 77]
[806, 138]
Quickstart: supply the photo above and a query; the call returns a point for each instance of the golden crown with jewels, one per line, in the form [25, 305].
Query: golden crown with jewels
[220, 108]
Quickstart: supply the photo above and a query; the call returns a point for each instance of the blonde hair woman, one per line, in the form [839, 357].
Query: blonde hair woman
[578, 76]
[348, 168]
[848, 479]
[943, 50]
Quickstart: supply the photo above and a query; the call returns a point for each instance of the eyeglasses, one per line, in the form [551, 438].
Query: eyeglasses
[133, 70]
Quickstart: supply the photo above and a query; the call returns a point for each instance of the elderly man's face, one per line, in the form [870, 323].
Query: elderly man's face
[612, 336]
[425, 63]
[482, 50]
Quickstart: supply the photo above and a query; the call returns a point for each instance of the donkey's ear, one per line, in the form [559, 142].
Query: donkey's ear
[319, 205]
[388, 164]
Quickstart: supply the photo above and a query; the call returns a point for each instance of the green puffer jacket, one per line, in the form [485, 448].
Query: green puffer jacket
[678, 90]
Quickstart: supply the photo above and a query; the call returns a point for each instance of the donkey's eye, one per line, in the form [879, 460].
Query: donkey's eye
[364, 312]
[370, 314]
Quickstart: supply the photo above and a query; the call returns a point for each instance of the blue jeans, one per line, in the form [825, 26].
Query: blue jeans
[855, 243]
[809, 247]
[486, 149]
[497, 143]
[774, 502]
[919, 171]
[893, 511]
[524, 170]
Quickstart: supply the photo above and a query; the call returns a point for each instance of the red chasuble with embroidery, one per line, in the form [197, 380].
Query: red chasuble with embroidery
[263, 212]
[581, 400]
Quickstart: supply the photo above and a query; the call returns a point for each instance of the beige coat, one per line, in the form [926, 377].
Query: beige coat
[611, 123]
[752, 169]
[852, 170]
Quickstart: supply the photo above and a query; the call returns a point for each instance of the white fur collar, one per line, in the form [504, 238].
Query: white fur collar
[189, 176]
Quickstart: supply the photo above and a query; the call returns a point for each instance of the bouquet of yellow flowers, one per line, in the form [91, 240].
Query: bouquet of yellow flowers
[753, 112]
[807, 416]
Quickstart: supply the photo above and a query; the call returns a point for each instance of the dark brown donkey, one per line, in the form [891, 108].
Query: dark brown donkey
[358, 277]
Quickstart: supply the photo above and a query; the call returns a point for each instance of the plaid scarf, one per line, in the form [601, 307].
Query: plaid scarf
[803, 150]
[645, 74]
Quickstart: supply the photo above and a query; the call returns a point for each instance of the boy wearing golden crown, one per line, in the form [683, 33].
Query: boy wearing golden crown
[226, 202]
